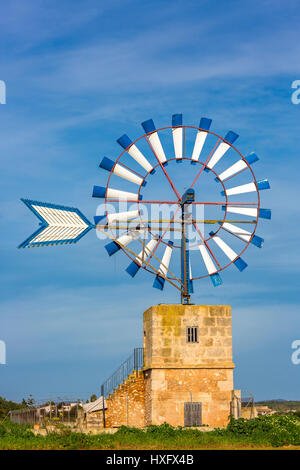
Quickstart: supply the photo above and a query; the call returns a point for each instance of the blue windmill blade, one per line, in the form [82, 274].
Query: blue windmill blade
[150, 129]
[210, 266]
[135, 153]
[58, 224]
[160, 278]
[247, 188]
[238, 262]
[119, 170]
[249, 211]
[202, 133]
[190, 279]
[237, 167]
[242, 234]
[137, 263]
[177, 133]
[222, 148]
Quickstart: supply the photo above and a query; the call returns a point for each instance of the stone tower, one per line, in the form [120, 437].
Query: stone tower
[188, 359]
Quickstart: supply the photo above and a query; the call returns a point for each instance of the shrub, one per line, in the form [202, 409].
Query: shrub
[163, 430]
[277, 430]
[2, 430]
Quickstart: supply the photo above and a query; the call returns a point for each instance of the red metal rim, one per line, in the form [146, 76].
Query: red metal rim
[226, 198]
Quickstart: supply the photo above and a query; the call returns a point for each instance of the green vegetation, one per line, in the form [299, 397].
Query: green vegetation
[262, 432]
[6, 406]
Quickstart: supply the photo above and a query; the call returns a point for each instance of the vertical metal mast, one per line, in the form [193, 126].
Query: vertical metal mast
[187, 198]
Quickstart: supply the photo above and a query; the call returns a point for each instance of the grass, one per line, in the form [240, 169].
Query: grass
[260, 433]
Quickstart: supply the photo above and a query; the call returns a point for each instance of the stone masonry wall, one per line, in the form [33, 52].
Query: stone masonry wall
[126, 405]
[169, 389]
[177, 371]
[94, 420]
[165, 336]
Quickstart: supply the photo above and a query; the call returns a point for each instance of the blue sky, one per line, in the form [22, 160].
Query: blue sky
[80, 74]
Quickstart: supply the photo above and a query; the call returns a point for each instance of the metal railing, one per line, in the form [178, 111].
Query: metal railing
[134, 362]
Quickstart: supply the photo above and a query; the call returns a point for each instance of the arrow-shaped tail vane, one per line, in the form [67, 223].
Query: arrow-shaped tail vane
[58, 224]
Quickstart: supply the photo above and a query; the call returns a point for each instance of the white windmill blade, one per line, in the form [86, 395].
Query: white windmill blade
[150, 129]
[124, 240]
[211, 268]
[240, 165]
[135, 265]
[100, 191]
[58, 224]
[116, 217]
[229, 252]
[250, 211]
[246, 188]
[243, 234]
[177, 133]
[119, 170]
[191, 286]
[204, 125]
[222, 148]
[145, 252]
[135, 153]
[159, 281]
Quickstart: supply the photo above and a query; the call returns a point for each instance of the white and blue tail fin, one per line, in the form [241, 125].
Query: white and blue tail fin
[58, 225]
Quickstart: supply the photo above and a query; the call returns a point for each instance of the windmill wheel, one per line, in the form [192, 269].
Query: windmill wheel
[181, 190]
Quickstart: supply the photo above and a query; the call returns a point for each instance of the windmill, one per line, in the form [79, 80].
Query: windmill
[179, 171]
